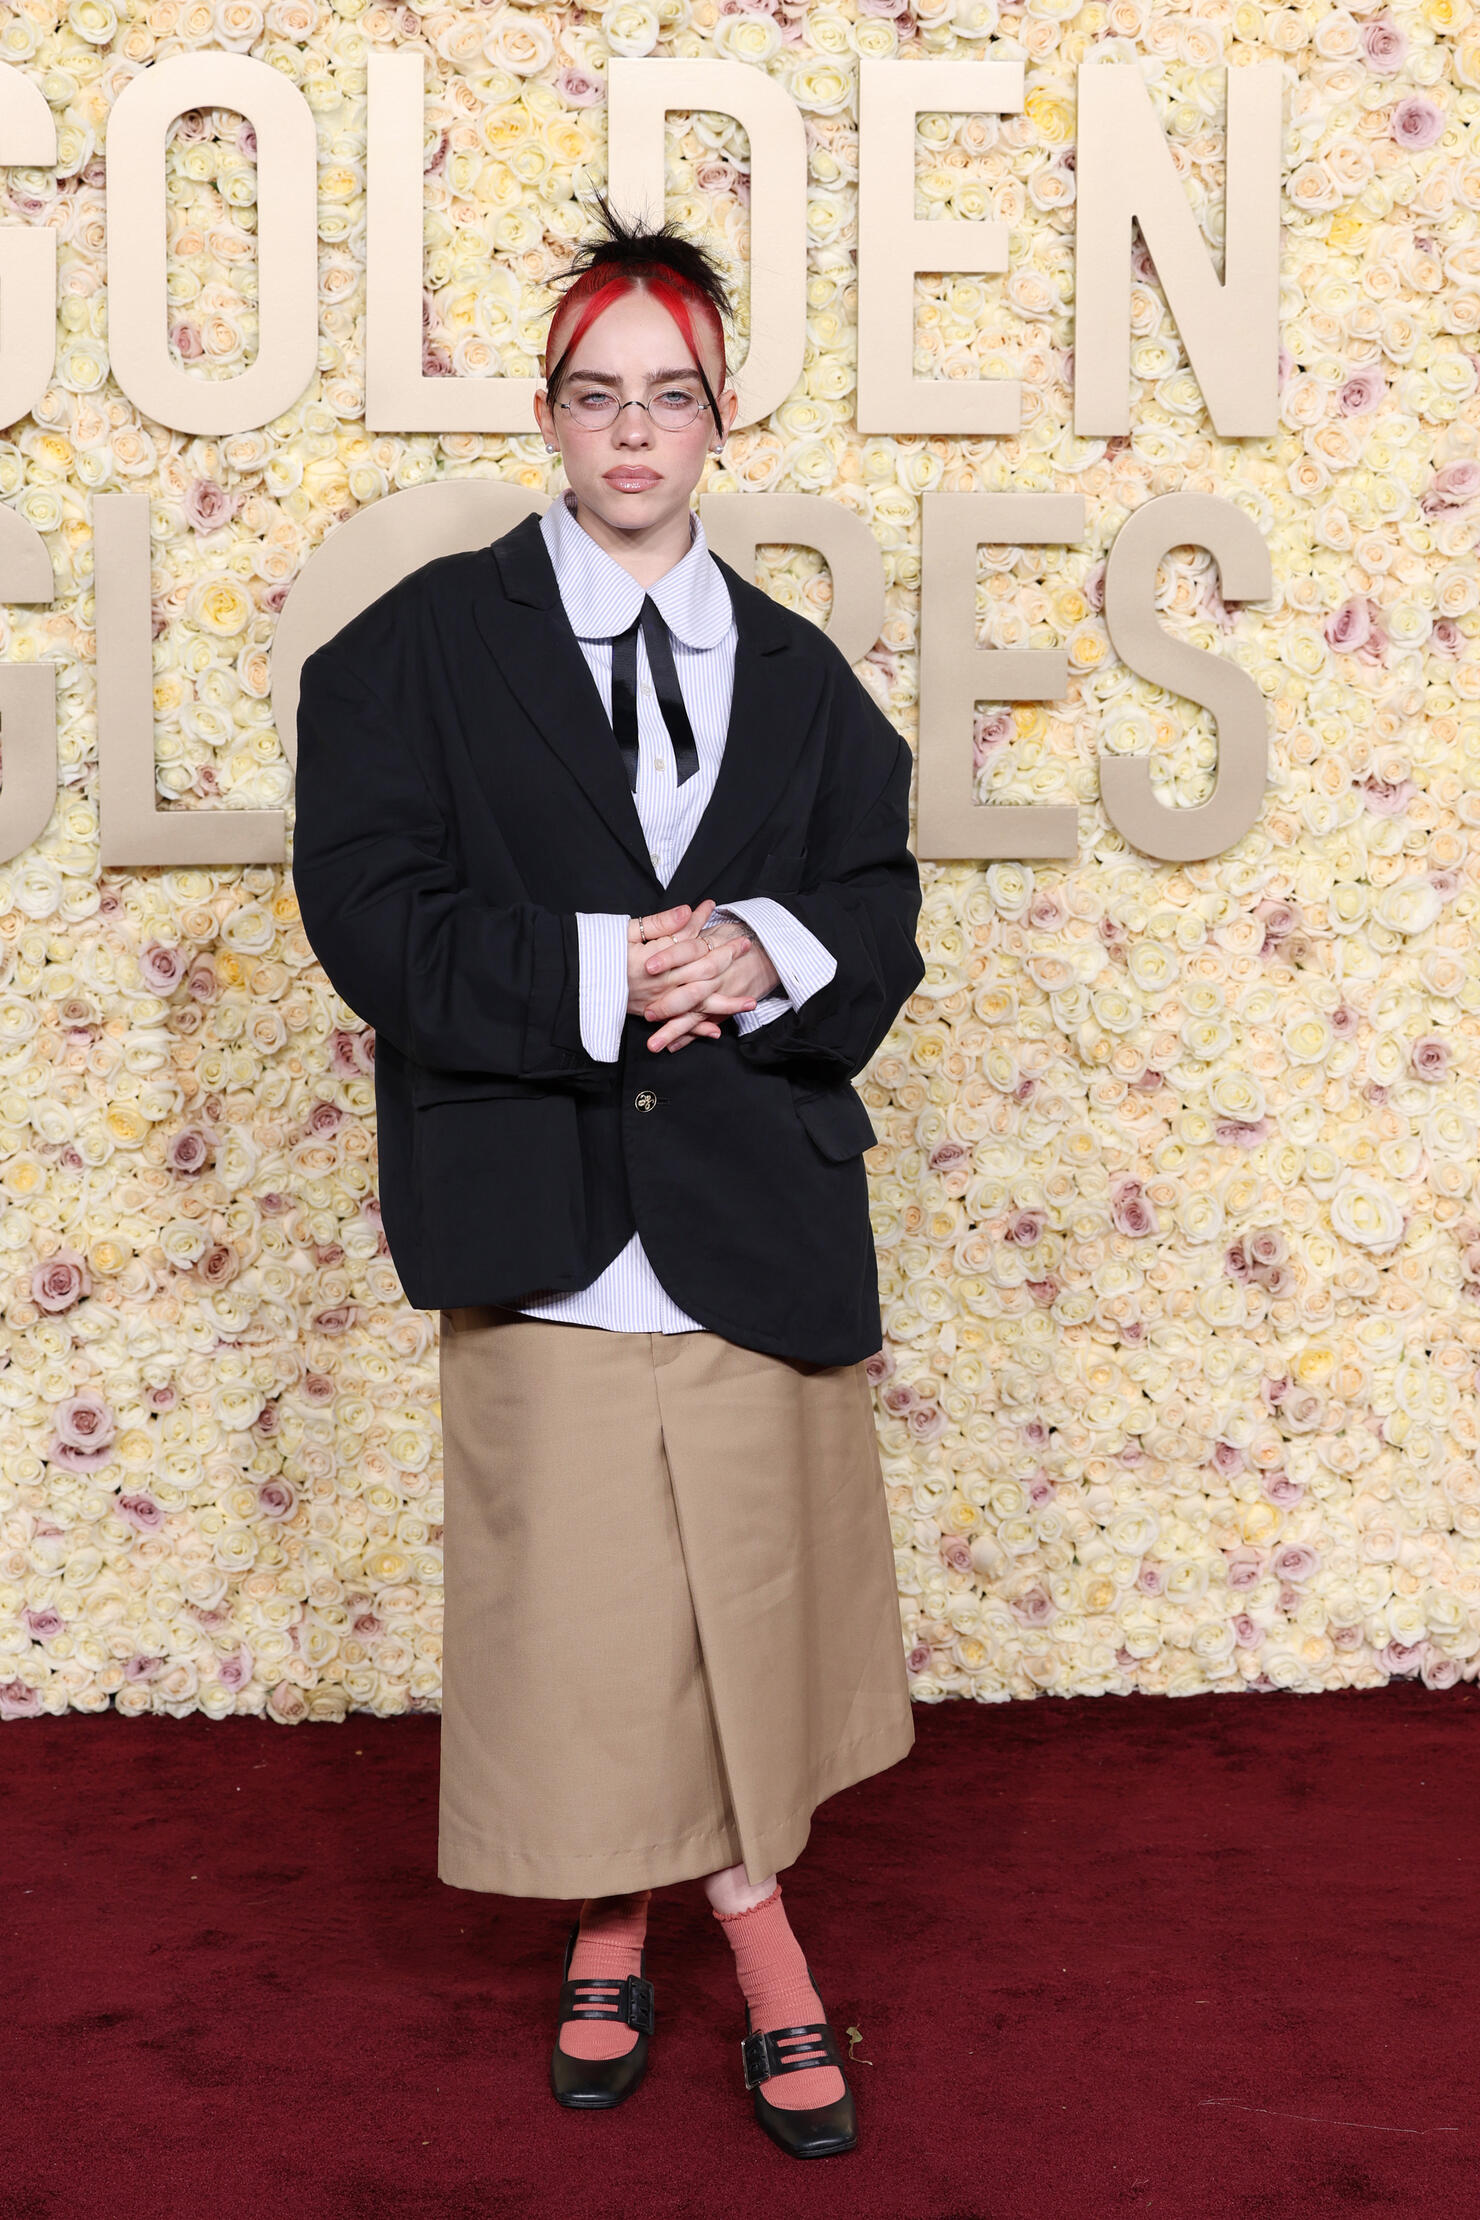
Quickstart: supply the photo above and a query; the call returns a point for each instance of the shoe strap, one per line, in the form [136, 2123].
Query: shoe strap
[591, 1998]
[762, 2055]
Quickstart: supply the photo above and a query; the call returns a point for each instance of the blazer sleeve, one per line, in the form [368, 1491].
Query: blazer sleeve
[860, 898]
[450, 979]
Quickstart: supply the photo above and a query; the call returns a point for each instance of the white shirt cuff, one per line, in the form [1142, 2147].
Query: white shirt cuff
[603, 951]
[802, 963]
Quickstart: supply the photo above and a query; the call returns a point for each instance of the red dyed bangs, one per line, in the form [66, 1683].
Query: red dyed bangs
[596, 289]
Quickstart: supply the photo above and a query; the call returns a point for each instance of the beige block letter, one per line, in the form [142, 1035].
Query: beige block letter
[1125, 173]
[1245, 573]
[134, 828]
[640, 93]
[893, 246]
[736, 524]
[955, 675]
[287, 245]
[28, 709]
[28, 256]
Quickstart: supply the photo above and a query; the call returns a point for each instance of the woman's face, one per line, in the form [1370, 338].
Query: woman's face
[633, 474]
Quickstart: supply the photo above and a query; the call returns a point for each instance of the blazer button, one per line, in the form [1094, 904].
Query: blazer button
[646, 1099]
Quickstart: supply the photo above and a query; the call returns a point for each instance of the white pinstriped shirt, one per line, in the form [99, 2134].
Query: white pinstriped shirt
[600, 599]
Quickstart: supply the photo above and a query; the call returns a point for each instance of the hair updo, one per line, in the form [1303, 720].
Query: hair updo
[637, 257]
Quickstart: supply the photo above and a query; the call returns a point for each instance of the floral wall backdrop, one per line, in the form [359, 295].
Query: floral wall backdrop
[1175, 1192]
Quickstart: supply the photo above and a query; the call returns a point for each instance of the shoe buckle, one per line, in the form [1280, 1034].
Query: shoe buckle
[639, 2005]
[756, 2051]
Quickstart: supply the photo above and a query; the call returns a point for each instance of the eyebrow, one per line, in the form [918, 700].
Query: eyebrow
[655, 377]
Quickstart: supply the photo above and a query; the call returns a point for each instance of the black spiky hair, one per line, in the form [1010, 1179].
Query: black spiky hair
[639, 247]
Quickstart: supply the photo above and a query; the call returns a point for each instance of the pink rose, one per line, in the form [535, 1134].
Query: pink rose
[1385, 46]
[927, 1422]
[235, 1671]
[207, 507]
[1282, 1490]
[946, 1155]
[1453, 486]
[336, 1320]
[186, 341]
[917, 1661]
[1226, 1459]
[202, 983]
[1152, 1578]
[879, 1366]
[1350, 626]
[1244, 1567]
[219, 1264]
[187, 1152]
[988, 733]
[1361, 392]
[1386, 798]
[1294, 1562]
[141, 1512]
[1429, 1057]
[85, 1428]
[287, 1704]
[1439, 1671]
[277, 1498]
[60, 1281]
[957, 1554]
[1045, 1293]
[1034, 1607]
[327, 1117]
[319, 1388]
[42, 1622]
[1401, 1657]
[1416, 123]
[161, 968]
[18, 1700]
[1130, 1212]
[1245, 1634]
[1026, 1229]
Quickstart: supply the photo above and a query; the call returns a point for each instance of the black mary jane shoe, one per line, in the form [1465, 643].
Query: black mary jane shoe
[593, 2084]
[814, 2133]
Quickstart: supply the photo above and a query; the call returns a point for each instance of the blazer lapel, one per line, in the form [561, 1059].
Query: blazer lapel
[528, 635]
[526, 630]
[770, 710]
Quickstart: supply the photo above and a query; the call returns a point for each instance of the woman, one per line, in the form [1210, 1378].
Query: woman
[672, 1626]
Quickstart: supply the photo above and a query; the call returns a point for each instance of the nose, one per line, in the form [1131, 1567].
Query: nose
[633, 428]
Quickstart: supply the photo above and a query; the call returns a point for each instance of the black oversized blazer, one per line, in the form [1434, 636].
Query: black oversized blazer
[460, 796]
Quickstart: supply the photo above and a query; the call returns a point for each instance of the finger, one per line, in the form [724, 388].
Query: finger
[687, 949]
[675, 966]
[658, 923]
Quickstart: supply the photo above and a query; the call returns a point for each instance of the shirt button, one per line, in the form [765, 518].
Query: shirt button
[645, 1100]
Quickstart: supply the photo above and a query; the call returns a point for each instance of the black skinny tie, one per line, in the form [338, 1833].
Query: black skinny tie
[665, 679]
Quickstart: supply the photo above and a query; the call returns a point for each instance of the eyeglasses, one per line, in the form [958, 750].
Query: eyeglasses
[672, 411]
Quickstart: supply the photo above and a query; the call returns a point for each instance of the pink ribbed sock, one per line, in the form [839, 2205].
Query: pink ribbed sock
[608, 1948]
[773, 1975]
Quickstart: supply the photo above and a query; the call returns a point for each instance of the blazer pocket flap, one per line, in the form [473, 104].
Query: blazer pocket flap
[430, 1089]
[781, 873]
[838, 1122]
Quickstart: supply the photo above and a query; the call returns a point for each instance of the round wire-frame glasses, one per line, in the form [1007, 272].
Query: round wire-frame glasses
[672, 410]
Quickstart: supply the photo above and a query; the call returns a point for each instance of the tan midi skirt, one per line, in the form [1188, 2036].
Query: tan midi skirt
[672, 1624]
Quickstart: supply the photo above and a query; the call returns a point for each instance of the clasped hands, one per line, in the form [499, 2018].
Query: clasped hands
[672, 976]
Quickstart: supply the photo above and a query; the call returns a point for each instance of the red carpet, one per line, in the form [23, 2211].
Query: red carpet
[1195, 1959]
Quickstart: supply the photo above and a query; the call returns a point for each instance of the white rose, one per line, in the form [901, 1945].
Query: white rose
[1366, 1214]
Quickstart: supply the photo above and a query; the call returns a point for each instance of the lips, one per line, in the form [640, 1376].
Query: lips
[632, 481]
